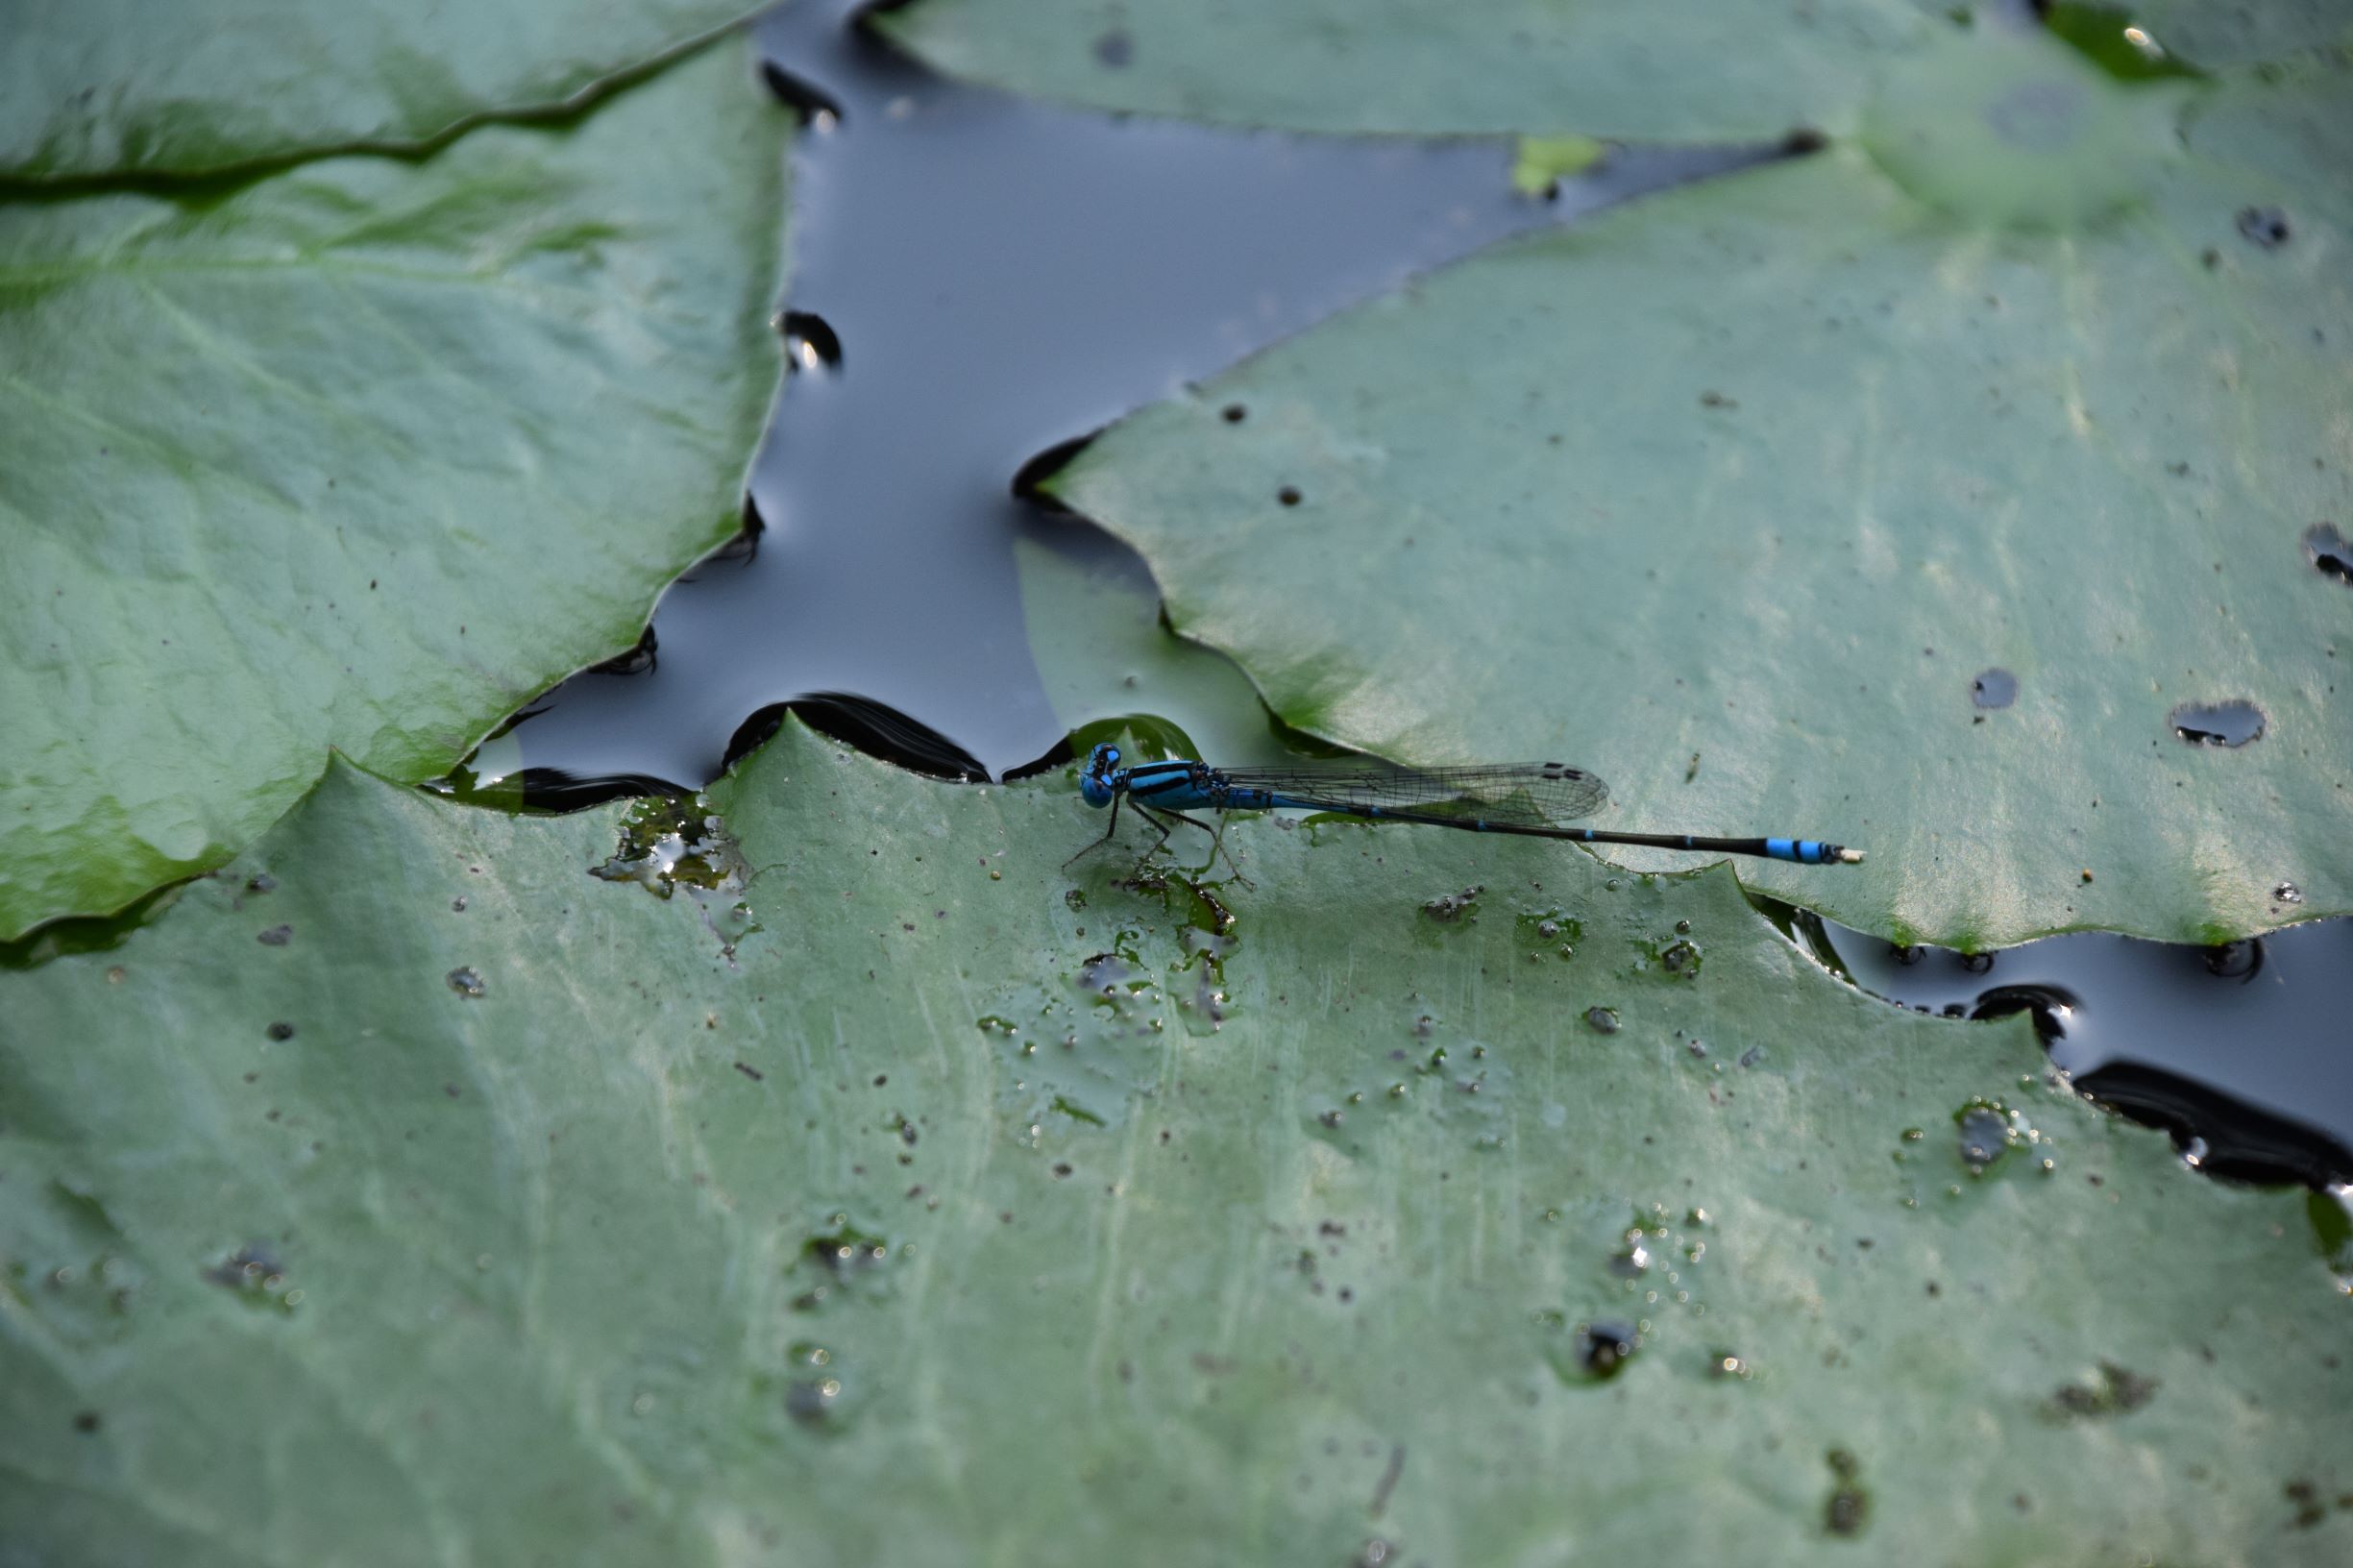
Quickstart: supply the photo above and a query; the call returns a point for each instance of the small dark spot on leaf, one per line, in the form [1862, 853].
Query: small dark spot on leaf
[2331, 552]
[277, 936]
[2265, 226]
[280, 1031]
[2116, 1391]
[1605, 1347]
[1994, 688]
[1849, 1507]
[2232, 724]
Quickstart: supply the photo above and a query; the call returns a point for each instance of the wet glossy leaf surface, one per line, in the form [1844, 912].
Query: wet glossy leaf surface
[94, 88]
[949, 1204]
[1737, 494]
[273, 461]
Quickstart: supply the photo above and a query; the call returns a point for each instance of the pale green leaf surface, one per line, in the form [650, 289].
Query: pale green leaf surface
[2243, 32]
[1667, 70]
[95, 88]
[530, 1275]
[362, 454]
[1730, 494]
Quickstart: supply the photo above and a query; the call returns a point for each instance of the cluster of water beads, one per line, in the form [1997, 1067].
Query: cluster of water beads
[1556, 931]
[255, 1276]
[1985, 1132]
[841, 1256]
[1452, 906]
[673, 842]
[811, 1397]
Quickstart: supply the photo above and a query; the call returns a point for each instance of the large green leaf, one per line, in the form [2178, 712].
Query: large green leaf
[361, 454]
[968, 1209]
[1671, 70]
[2241, 34]
[1732, 495]
[91, 87]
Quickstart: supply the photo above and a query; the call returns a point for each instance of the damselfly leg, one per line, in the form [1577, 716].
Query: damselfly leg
[1104, 840]
[1217, 836]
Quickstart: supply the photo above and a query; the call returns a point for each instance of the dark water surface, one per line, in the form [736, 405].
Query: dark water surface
[2240, 1052]
[978, 284]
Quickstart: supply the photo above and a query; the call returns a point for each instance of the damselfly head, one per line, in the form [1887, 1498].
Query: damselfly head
[1095, 785]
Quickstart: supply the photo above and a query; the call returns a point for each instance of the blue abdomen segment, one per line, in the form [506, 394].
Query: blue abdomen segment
[1805, 852]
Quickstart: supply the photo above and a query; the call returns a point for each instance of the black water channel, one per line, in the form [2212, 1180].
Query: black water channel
[979, 283]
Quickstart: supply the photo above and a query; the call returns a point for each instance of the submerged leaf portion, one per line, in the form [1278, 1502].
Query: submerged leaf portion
[359, 454]
[1287, 1197]
[96, 87]
[1735, 494]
